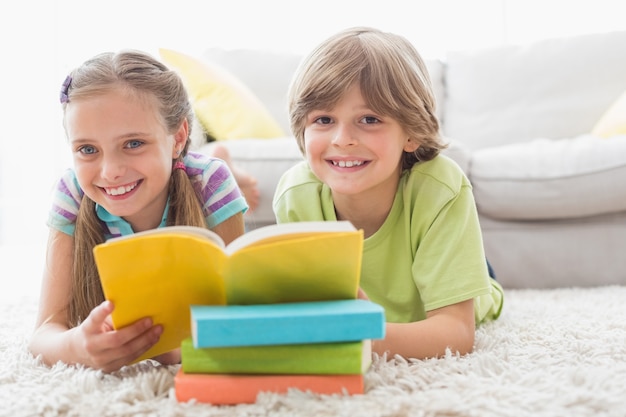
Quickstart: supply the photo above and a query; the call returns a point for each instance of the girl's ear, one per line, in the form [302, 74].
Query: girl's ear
[411, 145]
[180, 138]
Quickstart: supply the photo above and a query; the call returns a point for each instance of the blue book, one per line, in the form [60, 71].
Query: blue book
[286, 323]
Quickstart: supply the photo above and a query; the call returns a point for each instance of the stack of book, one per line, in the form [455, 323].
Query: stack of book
[274, 309]
[237, 351]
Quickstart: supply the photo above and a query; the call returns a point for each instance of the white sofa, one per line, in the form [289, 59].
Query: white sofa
[551, 196]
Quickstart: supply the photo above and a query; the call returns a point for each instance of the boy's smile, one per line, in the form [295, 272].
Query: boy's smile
[354, 150]
[348, 164]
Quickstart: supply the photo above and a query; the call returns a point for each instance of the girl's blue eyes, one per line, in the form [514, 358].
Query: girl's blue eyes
[87, 150]
[134, 144]
[90, 150]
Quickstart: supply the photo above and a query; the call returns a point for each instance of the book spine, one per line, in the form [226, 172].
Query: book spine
[322, 358]
[229, 389]
[287, 323]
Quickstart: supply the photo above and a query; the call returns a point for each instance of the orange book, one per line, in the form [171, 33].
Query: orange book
[228, 389]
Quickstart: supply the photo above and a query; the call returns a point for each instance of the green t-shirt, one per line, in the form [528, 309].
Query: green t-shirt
[429, 251]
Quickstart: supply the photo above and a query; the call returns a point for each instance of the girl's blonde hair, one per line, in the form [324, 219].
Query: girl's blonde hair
[148, 79]
[392, 77]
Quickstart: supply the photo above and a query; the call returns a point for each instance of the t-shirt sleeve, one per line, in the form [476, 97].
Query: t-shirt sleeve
[66, 198]
[217, 188]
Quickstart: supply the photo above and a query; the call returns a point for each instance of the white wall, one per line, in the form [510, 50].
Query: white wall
[42, 40]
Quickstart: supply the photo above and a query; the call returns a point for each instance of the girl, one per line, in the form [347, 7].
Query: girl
[363, 113]
[127, 118]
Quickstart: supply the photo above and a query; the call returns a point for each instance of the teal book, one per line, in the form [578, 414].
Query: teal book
[343, 358]
[286, 323]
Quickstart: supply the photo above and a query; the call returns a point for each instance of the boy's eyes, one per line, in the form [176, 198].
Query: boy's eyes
[324, 120]
[370, 120]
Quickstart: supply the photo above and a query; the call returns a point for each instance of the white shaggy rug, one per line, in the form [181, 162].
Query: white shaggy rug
[556, 353]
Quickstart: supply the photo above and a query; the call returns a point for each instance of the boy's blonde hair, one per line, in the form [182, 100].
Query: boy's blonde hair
[392, 77]
[147, 79]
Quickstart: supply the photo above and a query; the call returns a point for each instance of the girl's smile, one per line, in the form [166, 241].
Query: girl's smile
[122, 190]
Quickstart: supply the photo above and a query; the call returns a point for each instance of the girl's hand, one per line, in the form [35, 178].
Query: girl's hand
[169, 358]
[100, 346]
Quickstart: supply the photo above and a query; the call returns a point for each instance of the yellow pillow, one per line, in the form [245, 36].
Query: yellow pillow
[225, 107]
[613, 121]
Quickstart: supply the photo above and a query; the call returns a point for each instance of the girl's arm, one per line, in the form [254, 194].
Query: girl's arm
[93, 343]
[231, 228]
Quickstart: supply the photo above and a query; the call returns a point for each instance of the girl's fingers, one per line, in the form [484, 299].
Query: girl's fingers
[98, 316]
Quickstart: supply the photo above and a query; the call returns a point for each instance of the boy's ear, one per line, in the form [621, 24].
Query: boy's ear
[411, 145]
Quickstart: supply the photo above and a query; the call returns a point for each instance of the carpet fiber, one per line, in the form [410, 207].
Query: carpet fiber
[552, 353]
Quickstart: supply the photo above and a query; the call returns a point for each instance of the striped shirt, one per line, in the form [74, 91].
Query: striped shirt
[213, 181]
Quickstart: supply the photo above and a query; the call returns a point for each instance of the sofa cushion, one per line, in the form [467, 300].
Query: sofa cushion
[613, 122]
[551, 179]
[225, 107]
[266, 160]
[556, 88]
[460, 154]
[436, 72]
[267, 74]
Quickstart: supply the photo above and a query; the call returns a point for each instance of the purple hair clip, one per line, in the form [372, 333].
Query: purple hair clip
[65, 89]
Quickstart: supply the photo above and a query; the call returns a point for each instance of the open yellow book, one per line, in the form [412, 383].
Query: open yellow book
[160, 273]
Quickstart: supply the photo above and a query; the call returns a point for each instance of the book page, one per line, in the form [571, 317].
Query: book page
[277, 232]
[321, 266]
[187, 230]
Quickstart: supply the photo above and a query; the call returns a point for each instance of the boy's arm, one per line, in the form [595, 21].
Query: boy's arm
[450, 327]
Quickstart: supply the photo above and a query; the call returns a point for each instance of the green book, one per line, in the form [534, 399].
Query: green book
[319, 358]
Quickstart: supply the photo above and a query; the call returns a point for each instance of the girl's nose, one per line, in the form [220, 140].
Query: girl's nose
[112, 168]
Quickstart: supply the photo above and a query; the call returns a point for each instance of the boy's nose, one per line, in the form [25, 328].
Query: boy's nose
[344, 135]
